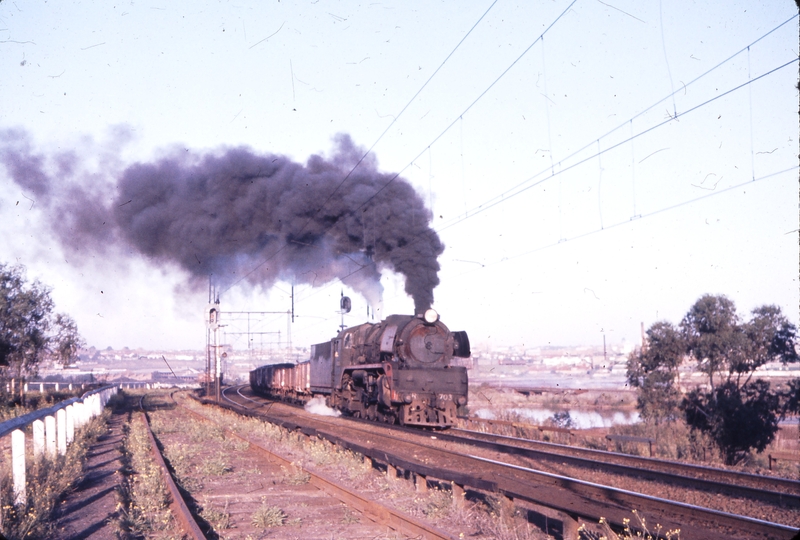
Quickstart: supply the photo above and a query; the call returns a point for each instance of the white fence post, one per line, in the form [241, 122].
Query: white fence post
[50, 436]
[70, 387]
[61, 431]
[41, 387]
[70, 412]
[38, 439]
[18, 466]
[57, 387]
[80, 414]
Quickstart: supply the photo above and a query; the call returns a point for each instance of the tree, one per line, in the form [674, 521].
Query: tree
[770, 337]
[24, 321]
[67, 341]
[29, 330]
[738, 411]
[738, 419]
[724, 346]
[653, 370]
[712, 334]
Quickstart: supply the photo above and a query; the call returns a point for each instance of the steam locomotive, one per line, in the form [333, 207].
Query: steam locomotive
[396, 371]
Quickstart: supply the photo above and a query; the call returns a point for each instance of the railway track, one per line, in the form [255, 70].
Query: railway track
[779, 491]
[380, 516]
[568, 495]
[774, 490]
[181, 512]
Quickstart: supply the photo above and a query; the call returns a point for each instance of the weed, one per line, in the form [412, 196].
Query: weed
[218, 519]
[267, 516]
[321, 452]
[355, 465]
[143, 495]
[350, 517]
[294, 475]
[161, 425]
[236, 445]
[439, 504]
[640, 531]
[179, 457]
[202, 432]
[214, 466]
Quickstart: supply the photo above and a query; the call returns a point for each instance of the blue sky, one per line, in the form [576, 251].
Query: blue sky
[564, 174]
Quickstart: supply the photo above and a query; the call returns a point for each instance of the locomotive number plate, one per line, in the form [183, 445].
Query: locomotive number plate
[444, 397]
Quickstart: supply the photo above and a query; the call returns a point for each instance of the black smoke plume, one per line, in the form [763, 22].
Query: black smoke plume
[241, 216]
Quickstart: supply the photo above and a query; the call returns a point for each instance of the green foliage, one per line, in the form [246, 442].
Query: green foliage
[66, 342]
[144, 496]
[769, 338]
[712, 334]
[267, 516]
[24, 320]
[562, 419]
[653, 371]
[791, 398]
[728, 351]
[29, 330]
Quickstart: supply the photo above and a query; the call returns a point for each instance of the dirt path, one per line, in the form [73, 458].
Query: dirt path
[87, 511]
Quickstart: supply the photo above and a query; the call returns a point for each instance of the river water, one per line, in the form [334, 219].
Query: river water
[579, 418]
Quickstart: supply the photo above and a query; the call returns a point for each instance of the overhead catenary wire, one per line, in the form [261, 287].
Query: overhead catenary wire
[600, 152]
[637, 219]
[469, 107]
[447, 129]
[507, 195]
[522, 186]
[666, 58]
[496, 201]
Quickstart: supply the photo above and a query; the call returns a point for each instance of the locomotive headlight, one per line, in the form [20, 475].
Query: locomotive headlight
[431, 316]
[461, 400]
[408, 398]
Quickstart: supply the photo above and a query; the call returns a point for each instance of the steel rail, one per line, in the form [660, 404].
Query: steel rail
[375, 511]
[584, 499]
[584, 492]
[635, 466]
[648, 468]
[733, 521]
[730, 489]
[640, 462]
[177, 504]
